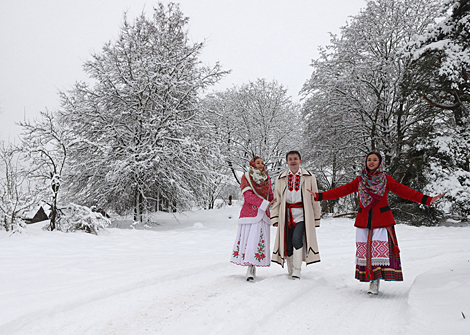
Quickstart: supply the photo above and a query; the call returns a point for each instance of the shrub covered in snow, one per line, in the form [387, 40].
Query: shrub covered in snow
[75, 217]
[15, 226]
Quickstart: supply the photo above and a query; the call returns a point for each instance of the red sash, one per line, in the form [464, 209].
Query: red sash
[290, 221]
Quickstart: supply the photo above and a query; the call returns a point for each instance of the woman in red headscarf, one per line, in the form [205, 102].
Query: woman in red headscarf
[251, 246]
[377, 252]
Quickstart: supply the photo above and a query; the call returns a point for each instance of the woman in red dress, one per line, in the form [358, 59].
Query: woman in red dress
[377, 252]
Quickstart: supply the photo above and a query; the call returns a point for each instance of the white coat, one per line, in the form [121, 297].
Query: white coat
[312, 213]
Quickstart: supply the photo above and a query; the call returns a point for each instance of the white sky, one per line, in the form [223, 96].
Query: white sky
[43, 44]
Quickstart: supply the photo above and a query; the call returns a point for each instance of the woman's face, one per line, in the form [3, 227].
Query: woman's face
[259, 164]
[373, 162]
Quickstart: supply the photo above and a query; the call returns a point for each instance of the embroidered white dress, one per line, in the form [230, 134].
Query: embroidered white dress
[252, 242]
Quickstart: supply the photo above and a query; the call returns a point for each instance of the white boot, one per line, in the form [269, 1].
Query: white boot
[290, 266]
[297, 262]
[253, 271]
[249, 273]
[374, 287]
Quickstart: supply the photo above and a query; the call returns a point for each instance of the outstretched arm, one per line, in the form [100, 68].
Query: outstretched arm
[338, 192]
[408, 193]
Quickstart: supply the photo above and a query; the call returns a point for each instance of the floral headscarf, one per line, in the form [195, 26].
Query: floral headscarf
[259, 180]
[372, 186]
[257, 175]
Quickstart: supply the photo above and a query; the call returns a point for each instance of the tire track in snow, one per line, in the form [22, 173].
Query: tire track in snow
[24, 322]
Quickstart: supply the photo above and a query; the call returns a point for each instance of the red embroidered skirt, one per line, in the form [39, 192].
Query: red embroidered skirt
[390, 272]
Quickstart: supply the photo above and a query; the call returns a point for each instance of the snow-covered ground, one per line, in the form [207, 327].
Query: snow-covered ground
[177, 279]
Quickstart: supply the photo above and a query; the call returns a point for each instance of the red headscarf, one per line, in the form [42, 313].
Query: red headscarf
[260, 187]
[372, 186]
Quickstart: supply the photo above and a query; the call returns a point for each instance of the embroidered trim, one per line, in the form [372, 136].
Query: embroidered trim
[291, 185]
[260, 255]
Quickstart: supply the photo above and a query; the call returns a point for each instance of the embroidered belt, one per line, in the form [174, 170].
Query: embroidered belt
[290, 218]
[290, 221]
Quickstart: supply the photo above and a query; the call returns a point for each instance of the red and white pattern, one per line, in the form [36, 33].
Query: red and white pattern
[291, 185]
[252, 245]
[380, 249]
[294, 194]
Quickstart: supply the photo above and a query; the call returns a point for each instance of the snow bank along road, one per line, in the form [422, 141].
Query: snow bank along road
[177, 279]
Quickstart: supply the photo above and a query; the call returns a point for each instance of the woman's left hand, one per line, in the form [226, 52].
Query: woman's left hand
[315, 194]
[435, 198]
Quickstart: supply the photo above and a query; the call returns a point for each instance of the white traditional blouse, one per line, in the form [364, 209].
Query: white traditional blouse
[294, 194]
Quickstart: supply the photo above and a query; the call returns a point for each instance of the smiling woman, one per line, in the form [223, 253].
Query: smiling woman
[252, 246]
[377, 252]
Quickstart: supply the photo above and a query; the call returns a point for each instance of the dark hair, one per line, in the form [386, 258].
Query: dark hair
[375, 153]
[293, 152]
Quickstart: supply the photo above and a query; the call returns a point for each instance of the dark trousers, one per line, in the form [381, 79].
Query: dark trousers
[295, 237]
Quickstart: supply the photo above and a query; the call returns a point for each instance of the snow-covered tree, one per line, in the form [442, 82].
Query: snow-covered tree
[441, 68]
[254, 119]
[138, 123]
[17, 193]
[45, 147]
[354, 100]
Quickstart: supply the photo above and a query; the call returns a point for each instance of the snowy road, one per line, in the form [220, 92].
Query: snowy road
[178, 280]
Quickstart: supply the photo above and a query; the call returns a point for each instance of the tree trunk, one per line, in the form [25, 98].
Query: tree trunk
[137, 213]
[53, 216]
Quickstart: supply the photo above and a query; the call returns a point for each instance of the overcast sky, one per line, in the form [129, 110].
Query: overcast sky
[43, 43]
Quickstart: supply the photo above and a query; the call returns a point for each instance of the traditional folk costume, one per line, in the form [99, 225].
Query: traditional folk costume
[377, 252]
[252, 246]
[297, 216]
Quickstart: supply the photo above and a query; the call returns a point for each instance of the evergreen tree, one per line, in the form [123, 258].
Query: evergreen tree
[440, 69]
